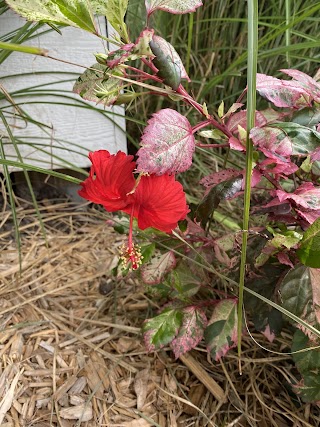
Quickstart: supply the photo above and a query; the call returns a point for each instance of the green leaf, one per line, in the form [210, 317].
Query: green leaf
[286, 139]
[115, 12]
[308, 360]
[303, 139]
[162, 329]
[76, 13]
[287, 239]
[168, 62]
[221, 333]
[296, 293]
[309, 390]
[172, 6]
[94, 85]
[308, 117]
[211, 201]
[263, 315]
[309, 250]
[185, 284]
[147, 251]
[169, 69]
[154, 272]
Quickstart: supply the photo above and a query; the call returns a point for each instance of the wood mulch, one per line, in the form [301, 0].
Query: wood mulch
[71, 353]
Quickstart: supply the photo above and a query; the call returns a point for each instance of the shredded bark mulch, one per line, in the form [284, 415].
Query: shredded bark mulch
[72, 354]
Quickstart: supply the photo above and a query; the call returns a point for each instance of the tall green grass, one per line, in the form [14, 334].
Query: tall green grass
[213, 42]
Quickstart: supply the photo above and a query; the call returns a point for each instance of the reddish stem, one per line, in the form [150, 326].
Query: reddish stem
[144, 74]
[181, 90]
[150, 65]
[270, 179]
[199, 145]
[130, 241]
[200, 126]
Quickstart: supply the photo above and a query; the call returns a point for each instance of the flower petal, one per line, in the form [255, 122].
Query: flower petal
[160, 202]
[111, 179]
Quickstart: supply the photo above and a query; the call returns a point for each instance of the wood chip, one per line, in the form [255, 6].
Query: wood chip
[80, 412]
[141, 387]
[8, 398]
[203, 377]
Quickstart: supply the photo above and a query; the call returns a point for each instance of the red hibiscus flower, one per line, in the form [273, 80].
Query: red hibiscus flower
[156, 201]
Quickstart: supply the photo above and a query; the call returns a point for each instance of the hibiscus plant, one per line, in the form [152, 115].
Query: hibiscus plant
[171, 246]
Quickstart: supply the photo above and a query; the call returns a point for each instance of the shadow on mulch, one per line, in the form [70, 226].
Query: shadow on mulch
[71, 356]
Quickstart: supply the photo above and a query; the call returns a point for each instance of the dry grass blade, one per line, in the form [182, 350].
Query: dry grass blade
[203, 376]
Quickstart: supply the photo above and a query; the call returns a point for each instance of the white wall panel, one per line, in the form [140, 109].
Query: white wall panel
[70, 132]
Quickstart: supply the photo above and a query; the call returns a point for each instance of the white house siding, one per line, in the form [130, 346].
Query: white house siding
[70, 128]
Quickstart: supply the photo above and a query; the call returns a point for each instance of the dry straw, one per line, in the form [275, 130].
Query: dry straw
[72, 357]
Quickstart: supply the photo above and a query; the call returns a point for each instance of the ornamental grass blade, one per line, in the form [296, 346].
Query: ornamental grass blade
[167, 144]
[173, 6]
[66, 12]
[309, 250]
[28, 181]
[221, 333]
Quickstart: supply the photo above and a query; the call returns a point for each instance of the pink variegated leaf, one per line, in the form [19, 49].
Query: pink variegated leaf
[306, 81]
[119, 56]
[131, 51]
[173, 6]
[141, 45]
[283, 93]
[167, 50]
[156, 269]
[268, 333]
[226, 174]
[167, 144]
[283, 258]
[191, 331]
[221, 333]
[310, 216]
[236, 144]
[306, 196]
[162, 329]
[315, 155]
[278, 166]
[217, 177]
[285, 139]
[262, 118]
[272, 142]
